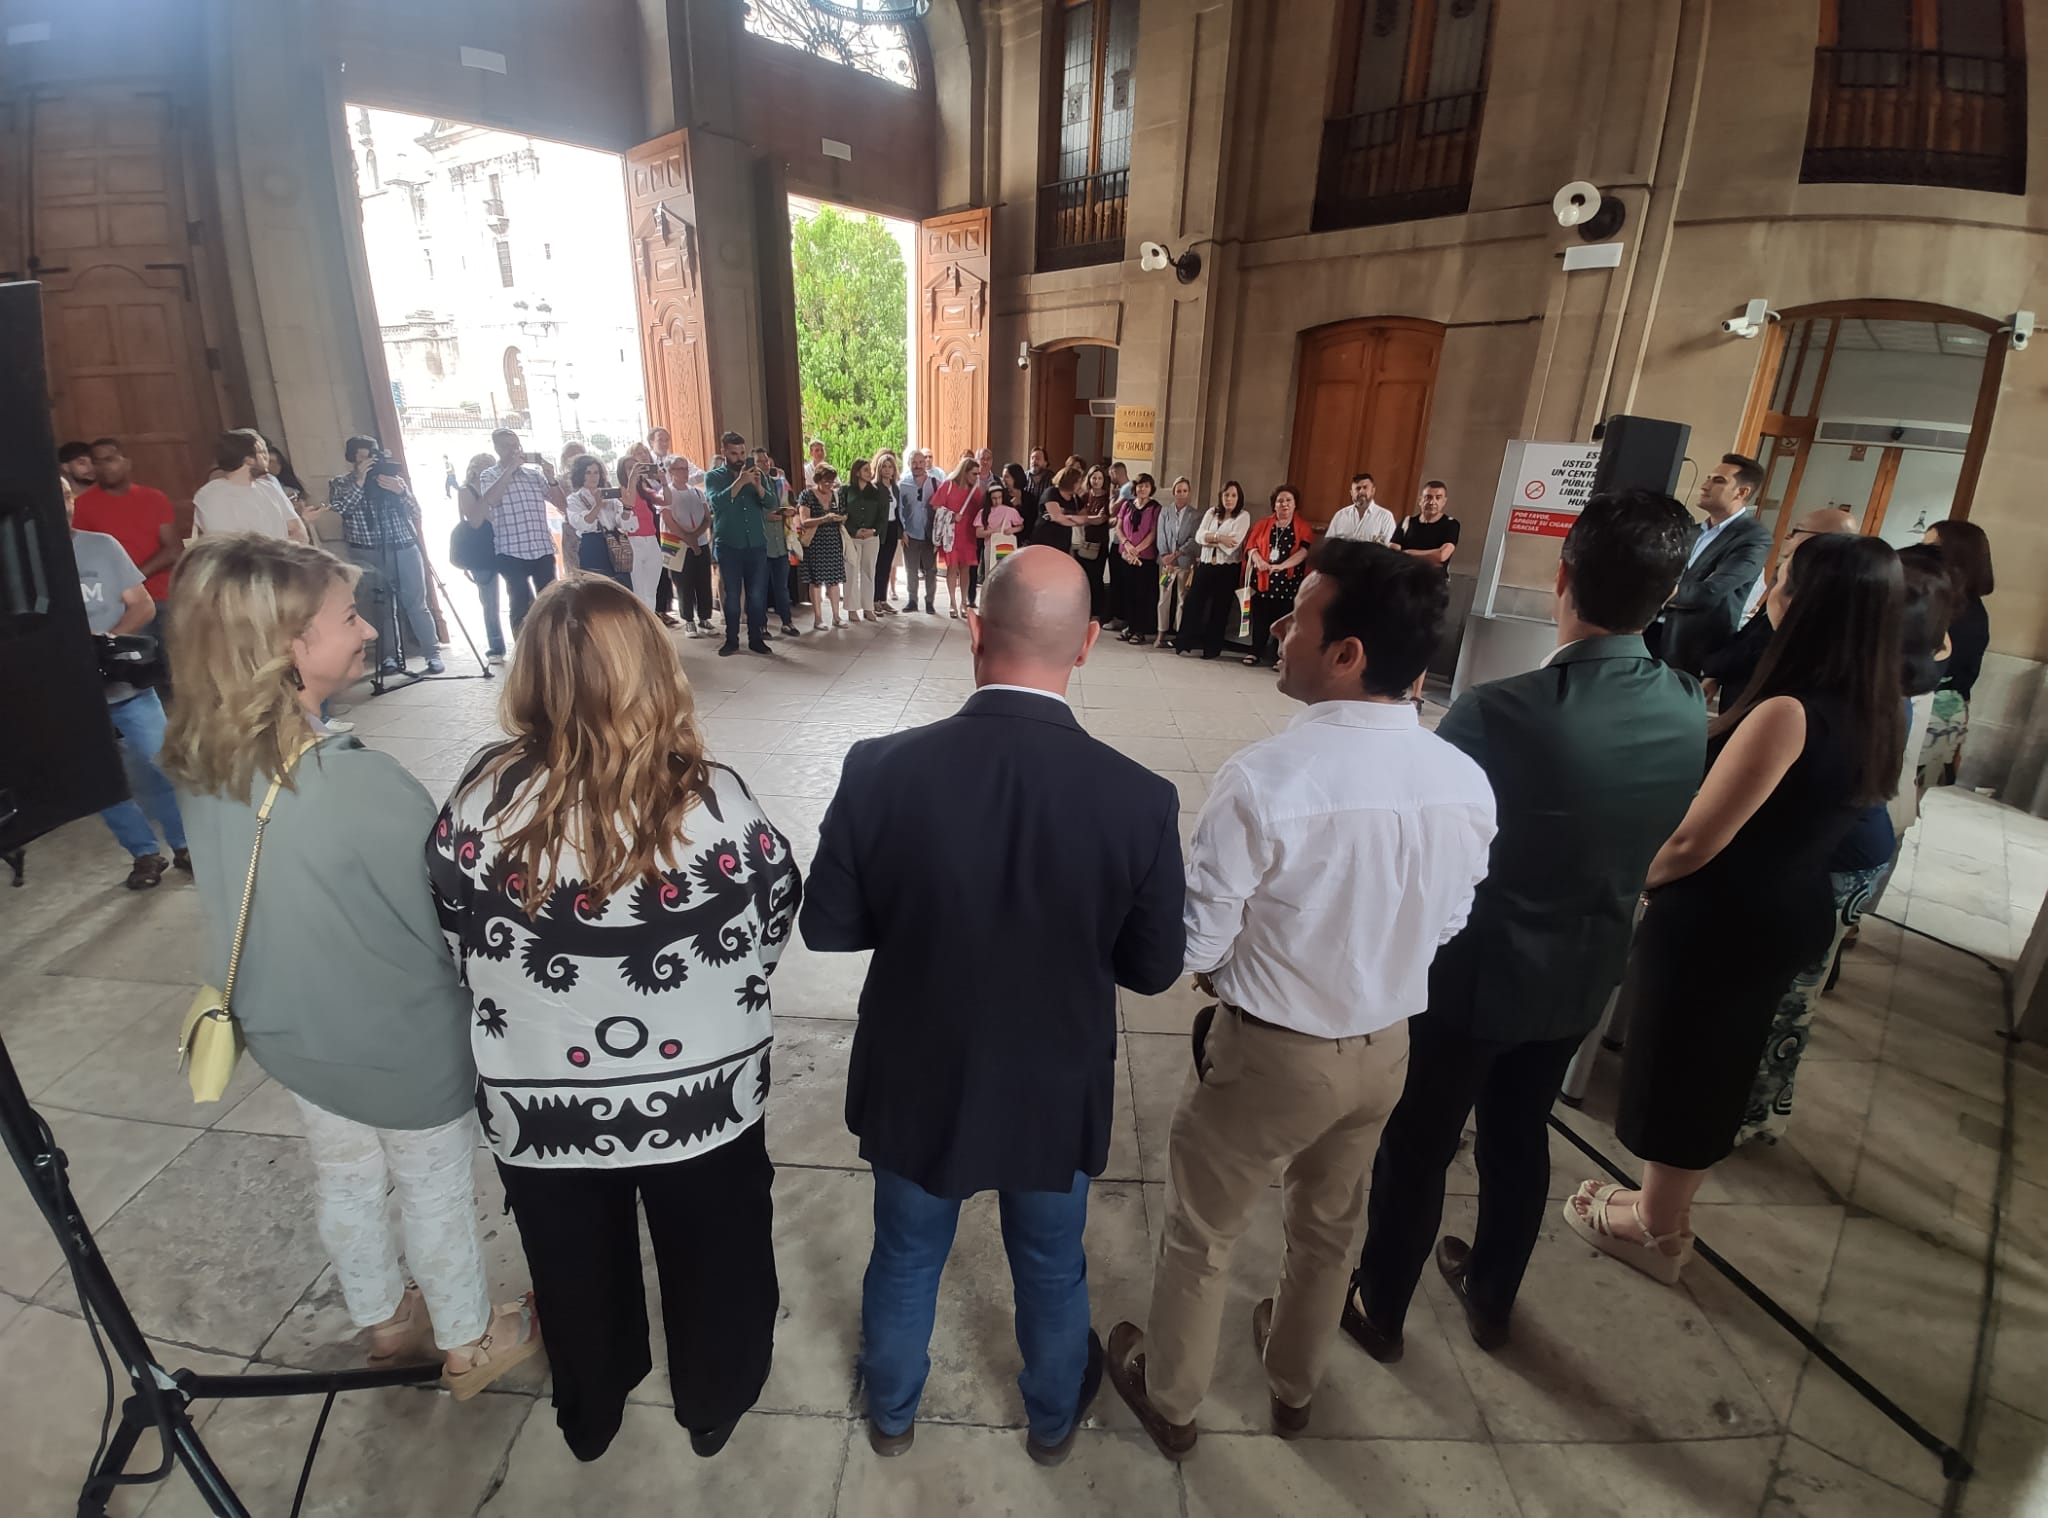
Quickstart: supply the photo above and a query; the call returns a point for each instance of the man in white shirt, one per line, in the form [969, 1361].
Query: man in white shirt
[1364, 519]
[243, 499]
[1329, 863]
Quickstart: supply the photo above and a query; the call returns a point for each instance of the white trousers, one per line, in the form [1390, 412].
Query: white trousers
[863, 559]
[646, 573]
[354, 1166]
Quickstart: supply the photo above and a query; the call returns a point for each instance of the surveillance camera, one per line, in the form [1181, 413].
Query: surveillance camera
[2021, 331]
[1756, 315]
[1024, 354]
[1152, 255]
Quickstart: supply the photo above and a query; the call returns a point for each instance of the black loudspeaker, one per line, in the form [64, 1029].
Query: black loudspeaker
[58, 759]
[1640, 451]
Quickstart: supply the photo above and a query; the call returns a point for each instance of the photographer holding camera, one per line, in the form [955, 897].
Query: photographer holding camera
[117, 604]
[380, 527]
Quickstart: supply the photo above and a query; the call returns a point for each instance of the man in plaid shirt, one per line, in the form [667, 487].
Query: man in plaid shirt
[517, 491]
[378, 525]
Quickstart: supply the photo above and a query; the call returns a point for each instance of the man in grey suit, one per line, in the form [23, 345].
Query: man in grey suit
[1720, 570]
[1593, 758]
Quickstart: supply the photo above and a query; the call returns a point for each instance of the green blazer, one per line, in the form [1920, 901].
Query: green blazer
[1594, 759]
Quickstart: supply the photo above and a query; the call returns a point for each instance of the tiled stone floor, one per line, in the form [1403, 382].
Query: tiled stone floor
[1617, 1396]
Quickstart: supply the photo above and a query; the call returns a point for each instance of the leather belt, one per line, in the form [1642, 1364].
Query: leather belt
[1260, 1022]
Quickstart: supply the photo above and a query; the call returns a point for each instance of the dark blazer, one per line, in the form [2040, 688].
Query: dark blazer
[1593, 759]
[1713, 593]
[1009, 872]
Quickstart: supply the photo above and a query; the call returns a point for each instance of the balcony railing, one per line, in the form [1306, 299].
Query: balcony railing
[1081, 221]
[1883, 116]
[1400, 164]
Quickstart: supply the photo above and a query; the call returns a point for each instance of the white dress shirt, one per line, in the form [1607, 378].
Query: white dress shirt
[1707, 535]
[1375, 524]
[1330, 862]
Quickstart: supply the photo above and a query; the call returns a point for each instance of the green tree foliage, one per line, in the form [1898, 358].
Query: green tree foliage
[851, 294]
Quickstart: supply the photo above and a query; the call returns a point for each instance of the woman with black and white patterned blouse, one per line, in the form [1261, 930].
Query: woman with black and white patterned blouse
[618, 902]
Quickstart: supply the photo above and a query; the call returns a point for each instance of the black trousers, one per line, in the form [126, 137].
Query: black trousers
[886, 559]
[1135, 594]
[711, 1222]
[1204, 615]
[1450, 1074]
[693, 586]
[524, 579]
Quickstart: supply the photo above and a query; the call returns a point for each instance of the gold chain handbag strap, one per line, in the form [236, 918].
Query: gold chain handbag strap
[227, 991]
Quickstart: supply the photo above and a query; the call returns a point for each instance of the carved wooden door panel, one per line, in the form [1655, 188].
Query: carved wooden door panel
[1362, 403]
[668, 270]
[953, 335]
[111, 243]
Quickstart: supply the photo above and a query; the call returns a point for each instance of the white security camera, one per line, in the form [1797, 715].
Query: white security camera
[1153, 256]
[1755, 317]
[2021, 330]
[1024, 354]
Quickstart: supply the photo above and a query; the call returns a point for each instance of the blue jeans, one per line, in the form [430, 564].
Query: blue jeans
[746, 580]
[486, 584]
[139, 724]
[1048, 1272]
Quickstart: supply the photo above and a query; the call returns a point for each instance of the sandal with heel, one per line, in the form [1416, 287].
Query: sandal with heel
[1647, 1254]
[511, 1338]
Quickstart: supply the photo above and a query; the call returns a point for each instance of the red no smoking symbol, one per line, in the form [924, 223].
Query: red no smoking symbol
[1534, 490]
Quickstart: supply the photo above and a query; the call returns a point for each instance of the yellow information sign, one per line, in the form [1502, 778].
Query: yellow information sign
[1135, 426]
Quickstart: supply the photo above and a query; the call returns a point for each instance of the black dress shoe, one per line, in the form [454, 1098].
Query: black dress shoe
[1454, 1259]
[708, 1442]
[1091, 1383]
[1288, 1422]
[888, 1446]
[759, 646]
[1382, 1346]
[727, 648]
[1126, 1369]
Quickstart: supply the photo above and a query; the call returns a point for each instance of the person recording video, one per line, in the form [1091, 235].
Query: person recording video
[380, 529]
[116, 603]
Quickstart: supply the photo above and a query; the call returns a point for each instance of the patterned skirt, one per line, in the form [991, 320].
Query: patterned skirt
[1946, 730]
[1769, 1113]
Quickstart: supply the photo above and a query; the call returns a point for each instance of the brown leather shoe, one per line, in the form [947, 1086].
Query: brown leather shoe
[1126, 1369]
[1369, 1336]
[1454, 1259]
[1288, 1422]
[890, 1445]
[146, 870]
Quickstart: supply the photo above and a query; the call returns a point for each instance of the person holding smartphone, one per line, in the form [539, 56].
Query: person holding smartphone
[595, 516]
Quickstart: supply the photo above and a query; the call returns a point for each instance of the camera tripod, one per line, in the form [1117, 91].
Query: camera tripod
[385, 599]
[160, 1399]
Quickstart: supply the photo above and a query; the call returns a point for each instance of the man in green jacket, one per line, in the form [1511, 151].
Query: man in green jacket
[1594, 758]
[739, 505]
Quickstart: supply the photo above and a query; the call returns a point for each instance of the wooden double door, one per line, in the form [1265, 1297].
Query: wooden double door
[952, 292]
[110, 223]
[1362, 396]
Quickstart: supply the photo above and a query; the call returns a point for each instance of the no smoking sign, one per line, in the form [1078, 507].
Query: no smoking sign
[1534, 490]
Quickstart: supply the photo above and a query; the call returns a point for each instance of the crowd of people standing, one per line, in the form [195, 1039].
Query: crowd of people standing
[574, 949]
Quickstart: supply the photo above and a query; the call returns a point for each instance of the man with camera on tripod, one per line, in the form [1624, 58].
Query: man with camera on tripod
[380, 526]
[116, 603]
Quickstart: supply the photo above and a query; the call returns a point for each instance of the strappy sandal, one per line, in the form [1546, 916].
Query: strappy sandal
[407, 1335]
[512, 1338]
[1647, 1254]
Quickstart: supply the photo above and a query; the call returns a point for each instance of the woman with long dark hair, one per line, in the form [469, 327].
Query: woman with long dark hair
[1219, 542]
[1967, 552]
[1866, 854]
[1739, 899]
[617, 902]
[1091, 544]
